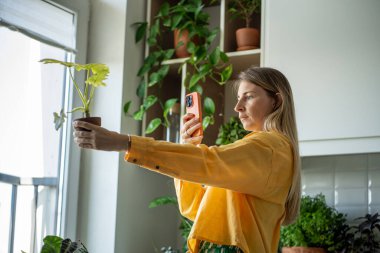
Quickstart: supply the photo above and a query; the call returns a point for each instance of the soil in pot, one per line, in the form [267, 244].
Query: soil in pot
[247, 38]
[93, 120]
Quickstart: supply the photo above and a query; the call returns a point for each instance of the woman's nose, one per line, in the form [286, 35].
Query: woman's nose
[238, 107]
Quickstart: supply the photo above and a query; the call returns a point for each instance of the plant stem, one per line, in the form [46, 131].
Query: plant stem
[77, 88]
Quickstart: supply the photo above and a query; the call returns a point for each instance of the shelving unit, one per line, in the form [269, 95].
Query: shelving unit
[222, 95]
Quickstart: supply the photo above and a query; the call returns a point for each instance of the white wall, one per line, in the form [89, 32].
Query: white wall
[329, 50]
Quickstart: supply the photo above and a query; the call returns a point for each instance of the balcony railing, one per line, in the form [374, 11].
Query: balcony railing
[22, 181]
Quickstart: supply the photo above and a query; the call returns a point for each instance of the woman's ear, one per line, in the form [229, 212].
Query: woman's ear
[278, 101]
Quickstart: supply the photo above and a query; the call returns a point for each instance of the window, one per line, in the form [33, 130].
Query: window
[30, 148]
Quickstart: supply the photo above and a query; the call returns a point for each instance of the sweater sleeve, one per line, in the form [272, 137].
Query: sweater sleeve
[243, 166]
[189, 197]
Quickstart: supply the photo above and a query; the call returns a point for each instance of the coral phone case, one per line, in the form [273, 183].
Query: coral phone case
[193, 105]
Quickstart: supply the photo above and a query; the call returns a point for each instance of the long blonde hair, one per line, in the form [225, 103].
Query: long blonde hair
[282, 120]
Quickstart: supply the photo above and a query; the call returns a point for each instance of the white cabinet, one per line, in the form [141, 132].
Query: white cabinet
[330, 52]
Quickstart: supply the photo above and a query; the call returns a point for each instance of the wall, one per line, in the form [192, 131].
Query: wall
[351, 183]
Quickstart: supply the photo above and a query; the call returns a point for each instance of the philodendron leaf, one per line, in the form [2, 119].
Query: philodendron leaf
[149, 101]
[207, 120]
[126, 107]
[215, 56]
[72, 247]
[163, 201]
[168, 105]
[140, 92]
[141, 30]
[52, 244]
[209, 106]
[194, 80]
[226, 74]
[99, 73]
[59, 119]
[139, 114]
[153, 125]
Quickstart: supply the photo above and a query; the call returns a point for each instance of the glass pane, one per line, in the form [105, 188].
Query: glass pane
[29, 94]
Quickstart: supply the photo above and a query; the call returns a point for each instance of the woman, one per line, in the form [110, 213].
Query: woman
[238, 195]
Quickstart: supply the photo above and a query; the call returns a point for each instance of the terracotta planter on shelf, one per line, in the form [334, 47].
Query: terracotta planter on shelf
[247, 38]
[181, 51]
[302, 250]
[93, 120]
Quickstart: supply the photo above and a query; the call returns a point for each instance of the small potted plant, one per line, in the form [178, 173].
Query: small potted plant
[96, 73]
[248, 37]
[319, 228]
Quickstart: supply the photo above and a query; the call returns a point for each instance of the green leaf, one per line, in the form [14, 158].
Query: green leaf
[126, 107]
[168, 54]
[190, 47]
[226, 74]
[164, 10]
[149, 101]
[176, 20]
[209, 106]
[168, 105]
[223, 56]
[48, 61]
[194, 80]
[59, 119]
[138, 115]
[206, 122]
[215, 56]
[141, 30]
[140, 92]
[163, 201]
[52, 244]
[153, 125]
[198, 88]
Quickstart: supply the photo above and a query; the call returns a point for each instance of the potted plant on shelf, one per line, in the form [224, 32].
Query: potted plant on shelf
[54, 244]
[96, 73]
[248, 37]
[204, 62]
[319, 228]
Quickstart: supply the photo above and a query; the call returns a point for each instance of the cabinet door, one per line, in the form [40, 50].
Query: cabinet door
[330, 52]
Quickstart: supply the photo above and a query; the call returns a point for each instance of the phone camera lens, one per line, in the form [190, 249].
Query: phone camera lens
[189, 101]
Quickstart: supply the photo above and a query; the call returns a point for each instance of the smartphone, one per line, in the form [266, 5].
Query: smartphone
[193, 105]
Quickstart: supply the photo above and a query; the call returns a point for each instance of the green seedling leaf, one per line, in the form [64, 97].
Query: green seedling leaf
[209, 106]
[59, 119]
[67, 64]
[163, 201]
[126, 107]
[153, 125]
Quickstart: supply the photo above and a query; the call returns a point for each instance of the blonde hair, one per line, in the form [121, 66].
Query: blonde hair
[282, 120]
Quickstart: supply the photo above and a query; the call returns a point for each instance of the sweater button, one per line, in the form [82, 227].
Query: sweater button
[134, 160]
[157, 167]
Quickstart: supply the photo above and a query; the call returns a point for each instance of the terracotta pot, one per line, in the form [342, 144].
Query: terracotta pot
[302, 250]
[247, 38]
[93, 120]
[181, 51]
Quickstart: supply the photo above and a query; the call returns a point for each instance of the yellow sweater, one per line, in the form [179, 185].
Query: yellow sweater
[246, 186]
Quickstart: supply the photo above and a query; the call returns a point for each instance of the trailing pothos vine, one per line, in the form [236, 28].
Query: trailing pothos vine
[203, 63]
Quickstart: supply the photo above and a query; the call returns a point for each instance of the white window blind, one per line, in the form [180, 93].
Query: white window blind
[42, 20]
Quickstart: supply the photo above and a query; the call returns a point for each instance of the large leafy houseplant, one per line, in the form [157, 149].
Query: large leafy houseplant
[96, 73]
[203, 63]
[56, 244]
[318, 226]
[231, 131]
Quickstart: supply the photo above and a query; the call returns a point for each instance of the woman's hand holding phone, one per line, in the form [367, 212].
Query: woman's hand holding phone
[191, 124]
